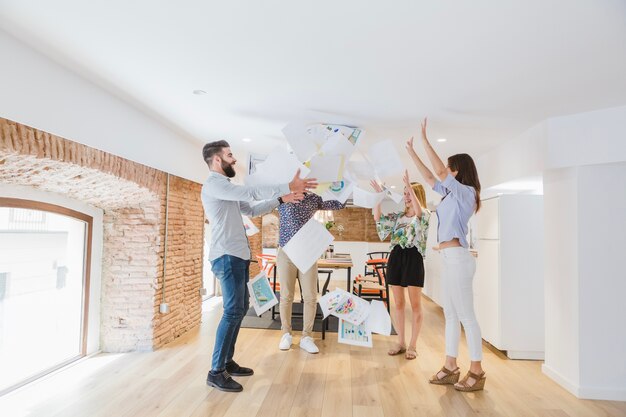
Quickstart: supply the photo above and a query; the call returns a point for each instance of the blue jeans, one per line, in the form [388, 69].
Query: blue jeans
[233, 273]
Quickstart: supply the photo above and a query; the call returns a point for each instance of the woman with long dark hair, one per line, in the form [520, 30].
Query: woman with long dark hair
[459, 185]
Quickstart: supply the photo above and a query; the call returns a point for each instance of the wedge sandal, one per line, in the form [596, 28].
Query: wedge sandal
[450, 377]
[479, 382]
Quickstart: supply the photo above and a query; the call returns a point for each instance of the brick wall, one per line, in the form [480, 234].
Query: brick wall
[132, 197]
[358, 223]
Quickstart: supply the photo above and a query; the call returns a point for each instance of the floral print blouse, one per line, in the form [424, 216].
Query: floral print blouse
[405, 231]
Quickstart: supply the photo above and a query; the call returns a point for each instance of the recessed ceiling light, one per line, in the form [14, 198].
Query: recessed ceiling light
[392, 186]
[247, 140]
[442, 140]
[199, 92]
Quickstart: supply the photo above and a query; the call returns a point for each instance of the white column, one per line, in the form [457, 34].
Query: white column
[585, 279]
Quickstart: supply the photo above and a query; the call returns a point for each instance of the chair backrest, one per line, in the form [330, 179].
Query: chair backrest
[381, 269]
[378, 255]
[267, 267]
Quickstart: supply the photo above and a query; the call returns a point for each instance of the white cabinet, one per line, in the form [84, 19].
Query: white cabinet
[508, 285]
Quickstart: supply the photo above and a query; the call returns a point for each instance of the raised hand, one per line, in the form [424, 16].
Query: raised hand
[409, 146]
[300, 185]
[424, 123]
[405, 178]
[376, 186]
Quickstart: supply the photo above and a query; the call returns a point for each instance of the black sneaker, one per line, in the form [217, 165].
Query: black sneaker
[234, 369]
[223, 382]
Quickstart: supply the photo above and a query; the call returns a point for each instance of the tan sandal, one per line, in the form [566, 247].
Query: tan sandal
[410, 353]
[396, 350]
[450, 378]
[479, 382]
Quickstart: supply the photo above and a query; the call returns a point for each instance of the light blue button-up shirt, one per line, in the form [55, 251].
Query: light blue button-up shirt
[225, 202]
[454, 210]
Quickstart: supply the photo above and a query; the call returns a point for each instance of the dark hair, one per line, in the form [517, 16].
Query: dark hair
[466, 173]
[213, 148]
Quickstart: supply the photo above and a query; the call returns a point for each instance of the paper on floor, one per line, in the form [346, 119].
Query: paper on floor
[356, 335]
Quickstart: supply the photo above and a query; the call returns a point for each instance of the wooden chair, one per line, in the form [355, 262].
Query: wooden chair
[373, 258]
[373, 287]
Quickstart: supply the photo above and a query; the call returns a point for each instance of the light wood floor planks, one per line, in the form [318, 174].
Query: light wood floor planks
[340, 381]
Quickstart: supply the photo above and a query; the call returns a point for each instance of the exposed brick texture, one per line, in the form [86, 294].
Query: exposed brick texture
[133, 199]
[256, 246]
[358, 223]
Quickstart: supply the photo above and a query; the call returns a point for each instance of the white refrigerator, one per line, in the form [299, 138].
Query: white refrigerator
[508, 285]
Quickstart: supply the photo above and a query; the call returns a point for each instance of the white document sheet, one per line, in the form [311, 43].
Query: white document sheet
[337, 144]
[279, 168]
[339, 190]
[262, 297]
[354, 135]
[300, 141]
[366, 199]
[344, 305]
[308, 244]
[385, 159]
[392, 195]
[326, 168]
[251, 229]
[362, 170]
[356, 335]
[319, 133]
[378, 320]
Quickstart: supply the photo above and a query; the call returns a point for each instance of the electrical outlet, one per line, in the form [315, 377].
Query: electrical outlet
[164, 308]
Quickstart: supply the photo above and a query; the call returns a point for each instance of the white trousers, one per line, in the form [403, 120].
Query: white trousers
[458, 302]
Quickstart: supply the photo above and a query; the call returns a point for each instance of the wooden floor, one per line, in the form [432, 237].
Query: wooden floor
[340, 381]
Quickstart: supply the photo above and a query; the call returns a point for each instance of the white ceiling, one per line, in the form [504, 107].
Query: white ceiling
[482, 71]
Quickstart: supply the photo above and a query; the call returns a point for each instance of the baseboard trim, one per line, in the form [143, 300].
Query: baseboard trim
[587, 393]
[525, 355]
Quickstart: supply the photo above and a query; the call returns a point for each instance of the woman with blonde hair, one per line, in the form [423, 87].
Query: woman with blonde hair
[459, 185]
[405, 266]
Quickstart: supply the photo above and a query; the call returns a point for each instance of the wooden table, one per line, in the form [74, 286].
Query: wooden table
[340, 262]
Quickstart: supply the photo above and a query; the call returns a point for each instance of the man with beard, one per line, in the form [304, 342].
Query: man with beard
[224, 203]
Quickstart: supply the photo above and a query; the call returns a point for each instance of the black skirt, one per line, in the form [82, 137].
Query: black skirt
[405, 267]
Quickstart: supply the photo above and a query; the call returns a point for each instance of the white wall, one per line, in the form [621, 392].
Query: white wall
[597, 137]
[520, 157]
[561, 277]
[576, 155]
[29, 193]
[40, 93]
[602, 280]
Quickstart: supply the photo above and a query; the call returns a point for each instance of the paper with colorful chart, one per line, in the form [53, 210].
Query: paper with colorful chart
[343, 305]
[356, 335]
[262, 296]
[358, 319]
[338, 190]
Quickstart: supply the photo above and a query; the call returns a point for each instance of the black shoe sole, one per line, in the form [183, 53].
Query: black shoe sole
[241, 373]
[211, 384]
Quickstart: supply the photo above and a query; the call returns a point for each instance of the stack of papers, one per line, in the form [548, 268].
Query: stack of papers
[358, 319]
